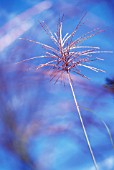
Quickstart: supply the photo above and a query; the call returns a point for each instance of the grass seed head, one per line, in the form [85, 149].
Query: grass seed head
[69, 54]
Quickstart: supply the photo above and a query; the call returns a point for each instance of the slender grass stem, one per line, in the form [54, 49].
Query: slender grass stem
[109, 133]
[82, 123]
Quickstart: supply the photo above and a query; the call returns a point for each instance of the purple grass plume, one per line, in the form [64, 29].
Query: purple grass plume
[66, 57]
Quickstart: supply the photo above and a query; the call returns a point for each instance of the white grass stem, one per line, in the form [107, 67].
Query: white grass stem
[82, 123]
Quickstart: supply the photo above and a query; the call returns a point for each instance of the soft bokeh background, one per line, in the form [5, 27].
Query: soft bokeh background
[39, 126]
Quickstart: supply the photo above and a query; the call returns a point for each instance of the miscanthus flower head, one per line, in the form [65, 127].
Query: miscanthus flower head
[68, 54]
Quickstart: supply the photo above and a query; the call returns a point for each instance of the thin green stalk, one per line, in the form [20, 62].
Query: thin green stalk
[82, 123]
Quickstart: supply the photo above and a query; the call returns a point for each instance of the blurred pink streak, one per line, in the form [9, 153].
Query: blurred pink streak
[20, 24]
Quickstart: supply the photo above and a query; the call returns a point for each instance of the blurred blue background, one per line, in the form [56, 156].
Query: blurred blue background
[39, 126]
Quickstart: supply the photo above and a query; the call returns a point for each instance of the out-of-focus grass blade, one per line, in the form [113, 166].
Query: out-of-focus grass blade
[110, 135]
[106, 126]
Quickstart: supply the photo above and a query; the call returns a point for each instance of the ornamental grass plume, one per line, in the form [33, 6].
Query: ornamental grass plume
[68, 56]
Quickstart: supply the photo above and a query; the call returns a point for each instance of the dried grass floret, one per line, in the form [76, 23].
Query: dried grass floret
[67, 57]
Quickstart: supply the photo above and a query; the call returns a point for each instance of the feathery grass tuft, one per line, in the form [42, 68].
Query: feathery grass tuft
[68, 56]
